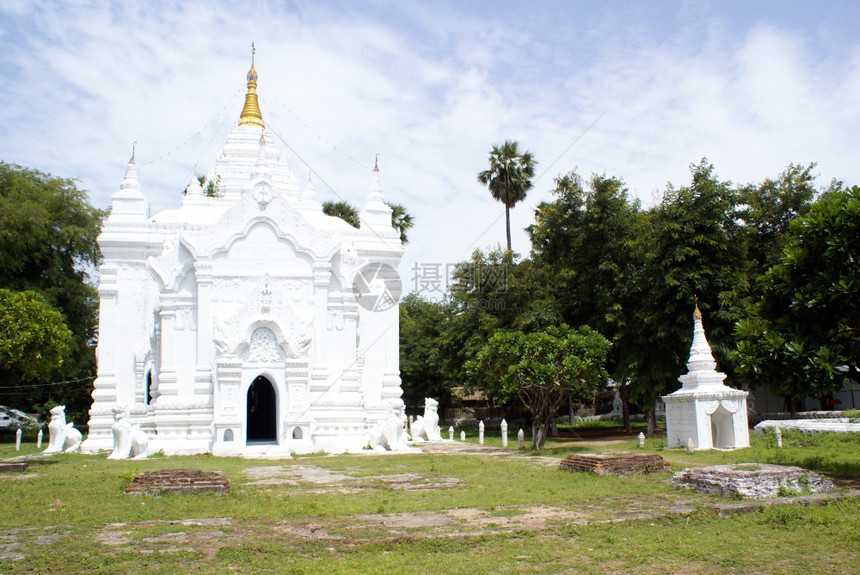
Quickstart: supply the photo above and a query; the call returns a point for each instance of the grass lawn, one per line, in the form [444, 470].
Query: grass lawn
[422, 513]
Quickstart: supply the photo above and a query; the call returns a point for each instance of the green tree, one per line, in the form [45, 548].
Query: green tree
[594, 240]
[211, 188]
[401, 221]
[48, 233]
[542, 370]
[490, 292]
[768, 208]
[698, 254]
[509, 177]
[343, 210]
[34, 339]
[805, 337]
[423, 369]
[634, 276]
[478, 306]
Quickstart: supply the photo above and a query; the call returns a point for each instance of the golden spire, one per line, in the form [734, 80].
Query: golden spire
[251, 115]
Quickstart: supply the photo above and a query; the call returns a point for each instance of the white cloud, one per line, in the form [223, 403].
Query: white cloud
[431, 87]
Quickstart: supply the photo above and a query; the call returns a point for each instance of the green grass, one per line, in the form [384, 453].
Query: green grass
[506, 515]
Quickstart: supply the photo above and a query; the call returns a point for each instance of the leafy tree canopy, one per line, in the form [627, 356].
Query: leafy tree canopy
[423, 367]
[541, 370]
[48, 233]
[343, 210]
[768, 208]
[805, 337]
[34, 340]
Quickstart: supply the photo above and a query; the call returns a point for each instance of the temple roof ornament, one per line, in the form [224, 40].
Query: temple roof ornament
[130, 181]
[128, 203]
[375, 193]
[701, 367]
[701, 358]
[251, 115]
[309, 194]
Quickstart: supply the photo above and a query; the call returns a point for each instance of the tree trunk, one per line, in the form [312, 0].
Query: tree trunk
[652, 423]
[570, 408]
[792, 407]
[508, 225]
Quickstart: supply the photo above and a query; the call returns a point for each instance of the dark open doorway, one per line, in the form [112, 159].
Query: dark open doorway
[262, 412]
[149, 387]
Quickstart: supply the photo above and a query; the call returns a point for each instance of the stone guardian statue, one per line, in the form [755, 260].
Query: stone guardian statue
[129, 440]
[427, 428]
[63, 438]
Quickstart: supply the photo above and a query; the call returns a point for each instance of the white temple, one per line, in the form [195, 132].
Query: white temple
[705, 411]
[250, 323]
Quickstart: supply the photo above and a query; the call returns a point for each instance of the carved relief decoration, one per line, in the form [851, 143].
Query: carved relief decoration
[335, 320]
[226, 288]
[266, 306]
[264, 347]
[710, 407]
[283, 217]
[731, 405]
[172, 265]
[185, 318]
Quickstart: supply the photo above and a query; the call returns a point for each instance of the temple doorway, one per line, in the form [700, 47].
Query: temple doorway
[262, 411]
[722, 429]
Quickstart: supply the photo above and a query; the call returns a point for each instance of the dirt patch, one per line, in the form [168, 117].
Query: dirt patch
[11, 541]
[178, 481]
[298, 475]
[405, 520]
[17, 476]
[204, 536]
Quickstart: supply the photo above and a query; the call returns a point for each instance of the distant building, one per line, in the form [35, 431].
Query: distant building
[249, 323]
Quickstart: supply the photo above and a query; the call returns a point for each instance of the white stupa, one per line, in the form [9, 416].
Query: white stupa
[247, 323]
[706, 411]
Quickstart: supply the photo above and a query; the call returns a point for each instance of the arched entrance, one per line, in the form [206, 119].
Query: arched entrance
[722, 429]
[262, 412]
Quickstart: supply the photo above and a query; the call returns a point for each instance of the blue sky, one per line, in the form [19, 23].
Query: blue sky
[637, 90]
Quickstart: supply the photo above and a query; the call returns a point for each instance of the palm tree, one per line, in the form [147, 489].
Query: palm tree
[344, 211]
[401, 221]
[509, 177]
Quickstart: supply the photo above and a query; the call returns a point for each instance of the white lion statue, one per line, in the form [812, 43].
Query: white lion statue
[63, 437]
[129, 440]
[390, 434]
[427, 428]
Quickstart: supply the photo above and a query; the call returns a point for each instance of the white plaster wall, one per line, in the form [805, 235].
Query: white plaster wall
[172, 284]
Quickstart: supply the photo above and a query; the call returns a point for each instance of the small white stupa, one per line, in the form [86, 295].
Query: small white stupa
[705, 411]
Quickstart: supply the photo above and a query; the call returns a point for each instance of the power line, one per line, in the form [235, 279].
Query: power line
[47, 384]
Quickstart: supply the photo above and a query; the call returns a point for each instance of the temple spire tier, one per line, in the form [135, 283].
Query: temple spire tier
[251, 114]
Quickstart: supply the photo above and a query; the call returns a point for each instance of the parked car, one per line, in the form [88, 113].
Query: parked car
[11, 419]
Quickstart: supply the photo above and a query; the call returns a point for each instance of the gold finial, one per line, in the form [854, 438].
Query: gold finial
[133, 146]
[251, 115]
[376, 163]
[697, 314]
